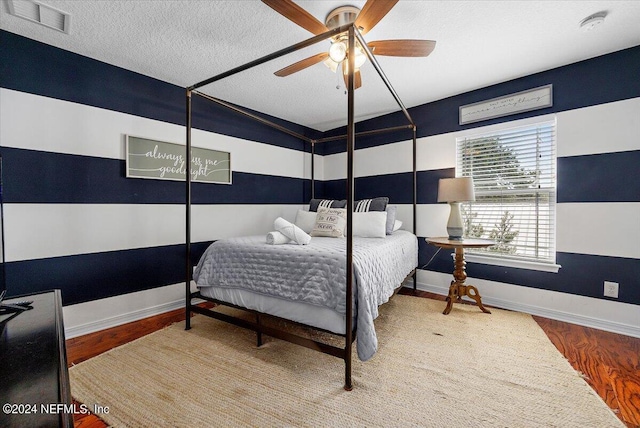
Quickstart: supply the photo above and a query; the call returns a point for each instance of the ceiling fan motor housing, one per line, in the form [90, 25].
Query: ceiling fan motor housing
[342, 15]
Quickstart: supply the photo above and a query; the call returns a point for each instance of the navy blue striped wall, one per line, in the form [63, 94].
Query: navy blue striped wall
[76, 179]
[398, 187]
[581, 274]
[86, 277]
[83, 179]
[606, 177]
[71, 77]
[599, 80]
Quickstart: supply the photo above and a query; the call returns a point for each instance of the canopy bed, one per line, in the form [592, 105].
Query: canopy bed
[350, 320]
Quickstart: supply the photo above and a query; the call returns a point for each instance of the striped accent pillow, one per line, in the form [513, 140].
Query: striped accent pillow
[375, 204]
[326, 203]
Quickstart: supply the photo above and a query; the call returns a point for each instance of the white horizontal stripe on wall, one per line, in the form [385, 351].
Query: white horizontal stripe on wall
[432, 153]
[39, 123]
[46, 124]
[319, 168]
[35, 231]
[256, 158]
[604, 128]
[605, 229]
[210, 222]
[404, 213]
[436, 152]
[388, 159]
[335, 166]
[432, 220]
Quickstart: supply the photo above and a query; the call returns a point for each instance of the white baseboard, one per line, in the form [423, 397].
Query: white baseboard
[105, 323]
[613, 326]
[89, 317]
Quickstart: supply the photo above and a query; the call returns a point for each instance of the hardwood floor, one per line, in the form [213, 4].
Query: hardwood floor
[609, 362]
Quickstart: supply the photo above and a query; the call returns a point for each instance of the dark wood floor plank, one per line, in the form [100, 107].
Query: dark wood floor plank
[610, 362]
[626, 387]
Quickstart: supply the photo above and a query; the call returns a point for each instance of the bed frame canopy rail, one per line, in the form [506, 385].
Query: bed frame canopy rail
[346, 352]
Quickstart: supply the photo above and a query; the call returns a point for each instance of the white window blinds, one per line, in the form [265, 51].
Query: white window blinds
[514, 173]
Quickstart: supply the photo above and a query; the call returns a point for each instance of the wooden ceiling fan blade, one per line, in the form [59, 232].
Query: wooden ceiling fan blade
[412, 48]
[298, 15]
[357, 79]
[301, 65]
[372, 12]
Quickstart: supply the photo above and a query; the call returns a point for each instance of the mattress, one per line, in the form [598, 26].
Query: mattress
[307, 283]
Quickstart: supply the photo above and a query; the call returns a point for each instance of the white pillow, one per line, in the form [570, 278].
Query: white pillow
[397, 225]
[305, 220]
[330, 222]
[370, 224]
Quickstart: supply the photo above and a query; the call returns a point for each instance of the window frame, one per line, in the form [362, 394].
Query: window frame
[547, 264]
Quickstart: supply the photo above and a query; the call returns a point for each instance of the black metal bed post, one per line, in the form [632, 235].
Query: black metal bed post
[313, 166]
[187, 283]
[415, 197]
[350, 187]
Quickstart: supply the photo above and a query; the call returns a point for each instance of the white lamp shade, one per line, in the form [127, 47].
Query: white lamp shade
[458, 189]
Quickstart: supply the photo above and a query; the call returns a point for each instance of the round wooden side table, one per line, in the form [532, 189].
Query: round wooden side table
[458, 288]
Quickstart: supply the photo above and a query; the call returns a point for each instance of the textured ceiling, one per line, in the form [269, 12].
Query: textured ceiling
[479, 43]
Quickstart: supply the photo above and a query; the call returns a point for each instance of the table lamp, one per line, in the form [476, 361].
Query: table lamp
[454, 191]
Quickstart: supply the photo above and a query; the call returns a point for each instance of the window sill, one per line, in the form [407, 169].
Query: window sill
[520, 264]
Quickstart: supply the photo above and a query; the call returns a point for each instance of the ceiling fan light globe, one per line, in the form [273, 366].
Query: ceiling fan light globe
[331, 64]
[338, 52]
[360, 59]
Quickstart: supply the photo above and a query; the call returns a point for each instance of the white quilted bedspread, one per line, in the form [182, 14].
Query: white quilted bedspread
[315, 273]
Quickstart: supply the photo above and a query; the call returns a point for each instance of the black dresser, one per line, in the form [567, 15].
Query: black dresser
[34, 380]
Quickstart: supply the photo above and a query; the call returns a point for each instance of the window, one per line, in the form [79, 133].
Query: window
[514, 174]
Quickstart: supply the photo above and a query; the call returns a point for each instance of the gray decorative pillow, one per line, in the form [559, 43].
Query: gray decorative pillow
[375, 204]
[391, 218]
[305, 220]
[327, 203]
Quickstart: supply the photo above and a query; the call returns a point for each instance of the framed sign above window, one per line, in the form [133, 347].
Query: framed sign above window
[160, 160]
[519, 102]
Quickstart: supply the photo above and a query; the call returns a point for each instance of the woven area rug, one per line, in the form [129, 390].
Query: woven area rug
[460, 370]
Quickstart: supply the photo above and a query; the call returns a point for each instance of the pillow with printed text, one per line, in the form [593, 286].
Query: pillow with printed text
[330, 222]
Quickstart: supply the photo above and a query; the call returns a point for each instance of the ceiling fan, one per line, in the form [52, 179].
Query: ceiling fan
[372, 12]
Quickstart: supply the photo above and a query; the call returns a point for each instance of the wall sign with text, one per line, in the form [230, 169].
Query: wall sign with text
[160, 160]
[519, 102]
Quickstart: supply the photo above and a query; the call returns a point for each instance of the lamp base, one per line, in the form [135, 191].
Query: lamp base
[455, 226]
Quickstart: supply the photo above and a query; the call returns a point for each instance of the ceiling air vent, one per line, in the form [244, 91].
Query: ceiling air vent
[41, 14]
